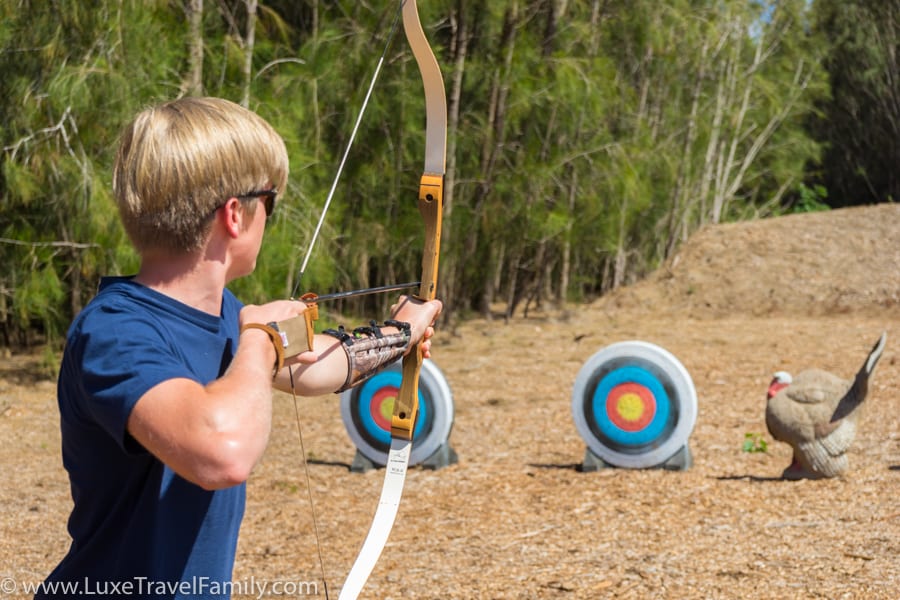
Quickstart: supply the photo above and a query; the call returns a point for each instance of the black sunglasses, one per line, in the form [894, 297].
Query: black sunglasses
[268, 197]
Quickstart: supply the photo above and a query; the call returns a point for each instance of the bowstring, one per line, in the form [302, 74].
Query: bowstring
[328, 199]
[340, 169]
[312, 505]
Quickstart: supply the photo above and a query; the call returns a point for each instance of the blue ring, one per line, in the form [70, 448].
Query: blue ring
[363, 398]
[650, 433]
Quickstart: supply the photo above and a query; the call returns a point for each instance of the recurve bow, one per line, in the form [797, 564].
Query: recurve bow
[430, 202]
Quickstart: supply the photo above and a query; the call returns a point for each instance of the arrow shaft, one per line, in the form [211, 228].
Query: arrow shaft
[364, 292]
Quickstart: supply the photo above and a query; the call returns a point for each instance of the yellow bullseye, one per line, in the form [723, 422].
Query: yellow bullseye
[387, 408]
[630, 406]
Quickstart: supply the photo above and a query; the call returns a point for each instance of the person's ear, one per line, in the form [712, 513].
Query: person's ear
[233, 216]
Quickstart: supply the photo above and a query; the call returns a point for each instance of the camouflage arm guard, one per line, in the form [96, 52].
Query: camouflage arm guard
[369, 350]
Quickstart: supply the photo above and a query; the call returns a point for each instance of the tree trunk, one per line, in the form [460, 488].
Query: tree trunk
[459, 47]
[495, 134]
[566, 259]
[194, 10]
[681, 205]
[249, 42]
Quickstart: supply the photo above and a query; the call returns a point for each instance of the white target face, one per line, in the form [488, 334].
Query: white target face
[367, 408]
[634, 404]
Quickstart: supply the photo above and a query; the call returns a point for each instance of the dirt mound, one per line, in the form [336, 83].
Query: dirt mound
[832, 262]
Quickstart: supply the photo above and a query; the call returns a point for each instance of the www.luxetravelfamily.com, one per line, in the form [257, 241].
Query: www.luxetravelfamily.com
[146, 587]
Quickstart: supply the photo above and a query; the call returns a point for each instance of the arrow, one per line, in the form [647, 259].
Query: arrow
[364, 292]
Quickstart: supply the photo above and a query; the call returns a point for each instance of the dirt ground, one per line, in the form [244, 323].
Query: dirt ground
[516, 518]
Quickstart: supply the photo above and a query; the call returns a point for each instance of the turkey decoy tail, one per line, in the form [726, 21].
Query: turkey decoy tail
[857, 393]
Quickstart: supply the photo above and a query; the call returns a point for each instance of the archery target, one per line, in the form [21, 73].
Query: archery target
[367, 408]
[634, 404]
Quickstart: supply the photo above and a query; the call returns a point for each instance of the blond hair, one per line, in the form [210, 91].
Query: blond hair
[179, 161]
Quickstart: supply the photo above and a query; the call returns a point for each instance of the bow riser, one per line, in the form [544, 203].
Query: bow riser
[431, 206]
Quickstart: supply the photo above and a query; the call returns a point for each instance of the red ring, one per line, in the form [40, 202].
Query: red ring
[633, 391]
[376, 404]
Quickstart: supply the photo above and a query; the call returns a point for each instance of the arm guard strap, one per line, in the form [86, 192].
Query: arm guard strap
[369, 350]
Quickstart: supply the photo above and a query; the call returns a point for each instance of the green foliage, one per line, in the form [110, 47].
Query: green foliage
[588, 140]
[754, 442]
[811, 199]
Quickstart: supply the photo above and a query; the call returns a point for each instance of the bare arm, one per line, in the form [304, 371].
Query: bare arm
[324, 370]
[214, 435]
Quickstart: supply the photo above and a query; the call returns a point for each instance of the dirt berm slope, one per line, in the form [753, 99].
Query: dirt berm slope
[831, 262]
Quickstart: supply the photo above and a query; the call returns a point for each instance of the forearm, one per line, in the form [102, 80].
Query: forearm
[322, 372]
[344, 359]
[341, 359]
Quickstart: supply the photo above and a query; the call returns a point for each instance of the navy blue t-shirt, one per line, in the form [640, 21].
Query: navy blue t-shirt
[138, 529]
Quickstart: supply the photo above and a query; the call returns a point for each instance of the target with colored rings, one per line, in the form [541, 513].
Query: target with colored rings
[634, 404]
[367, 408]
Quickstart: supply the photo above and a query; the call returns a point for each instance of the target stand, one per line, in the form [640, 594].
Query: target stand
[635, 406]
[367, 408]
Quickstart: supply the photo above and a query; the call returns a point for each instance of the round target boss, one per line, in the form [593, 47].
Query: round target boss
[367, 409]
[634, 404]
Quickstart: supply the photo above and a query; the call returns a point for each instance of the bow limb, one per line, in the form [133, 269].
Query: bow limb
[430, 202]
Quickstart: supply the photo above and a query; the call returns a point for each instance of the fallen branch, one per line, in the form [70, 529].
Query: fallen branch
[77, 245]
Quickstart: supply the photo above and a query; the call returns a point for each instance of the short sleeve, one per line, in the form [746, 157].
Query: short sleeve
[122, 354]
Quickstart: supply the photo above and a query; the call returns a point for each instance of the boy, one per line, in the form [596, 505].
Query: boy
[165, 387]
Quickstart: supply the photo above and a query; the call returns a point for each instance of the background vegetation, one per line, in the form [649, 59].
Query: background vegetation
[587, 139]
